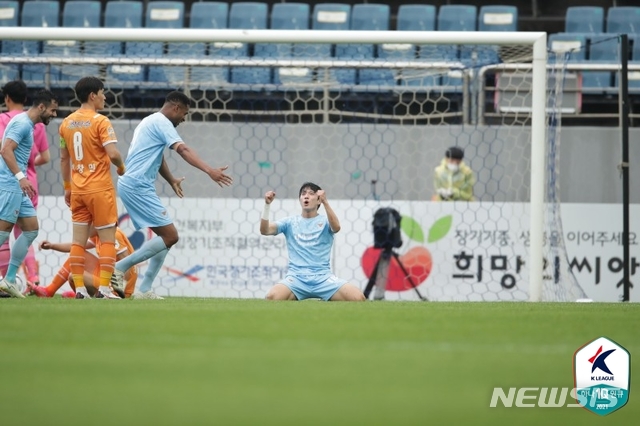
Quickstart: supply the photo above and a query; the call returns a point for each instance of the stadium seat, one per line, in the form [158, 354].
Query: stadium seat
[573, 44]
[490, 18]
[365, 17]
[584, 19]
[85, 14]
[207, 15]
[326, 17]
[38, 13]
[167, 15]
[9, 13]
[457, 18]
[603, 48]
[452, 18]
[623, 20]
[249, 15]
[416, 17]
[122, 14]
[288, 16]
[498, 18]
[411, 17]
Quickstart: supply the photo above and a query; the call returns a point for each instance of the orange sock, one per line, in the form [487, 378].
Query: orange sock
[107, 262]
[76, 265]
[61, 277]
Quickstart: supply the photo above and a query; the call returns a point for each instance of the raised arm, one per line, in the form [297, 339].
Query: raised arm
[267, 227]
[191, 156]
[334, 223]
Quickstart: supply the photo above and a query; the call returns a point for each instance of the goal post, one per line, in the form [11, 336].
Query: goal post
[535, 41]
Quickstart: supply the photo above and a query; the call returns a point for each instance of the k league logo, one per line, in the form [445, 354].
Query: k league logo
[601, 371]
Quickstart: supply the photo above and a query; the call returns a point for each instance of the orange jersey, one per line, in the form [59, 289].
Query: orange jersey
[84, 134]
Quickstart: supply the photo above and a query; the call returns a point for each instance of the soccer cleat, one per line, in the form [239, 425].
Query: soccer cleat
[150, 295]
[117, 282]
[118, 289]
[11, 289]
[82, 296]
[101, 295]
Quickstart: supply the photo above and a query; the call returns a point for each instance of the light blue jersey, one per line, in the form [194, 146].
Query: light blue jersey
[154, 133]
[309, 244]
[19, 130]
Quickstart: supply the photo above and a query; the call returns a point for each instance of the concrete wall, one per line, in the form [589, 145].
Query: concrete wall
[345, 159]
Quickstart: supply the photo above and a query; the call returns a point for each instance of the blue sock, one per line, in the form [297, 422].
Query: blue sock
[155, 263]
[4, 236]
[148, 250]
[19, 252]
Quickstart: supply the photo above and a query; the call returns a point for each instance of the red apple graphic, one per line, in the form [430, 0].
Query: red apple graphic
[417, 261]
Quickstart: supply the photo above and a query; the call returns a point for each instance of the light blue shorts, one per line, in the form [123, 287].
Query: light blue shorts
[323, 286]
[144, 206]
[14, 205]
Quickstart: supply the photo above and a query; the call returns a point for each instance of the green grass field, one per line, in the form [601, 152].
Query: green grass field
[252, 362]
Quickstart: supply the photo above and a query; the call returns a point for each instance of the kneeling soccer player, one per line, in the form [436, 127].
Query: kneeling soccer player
[309, 239]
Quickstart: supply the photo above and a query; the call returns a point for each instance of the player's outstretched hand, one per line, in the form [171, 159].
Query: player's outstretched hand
[176, 185]
[220, 177]
[45, 245]
[269, 196]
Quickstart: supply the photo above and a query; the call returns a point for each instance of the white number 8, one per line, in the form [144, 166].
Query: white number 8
[77, 146]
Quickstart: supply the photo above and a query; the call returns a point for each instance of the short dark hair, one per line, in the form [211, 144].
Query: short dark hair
[86, 86]
[45, 97]
[455, 153]
[312, 186]
[16, 90]
[178, 97]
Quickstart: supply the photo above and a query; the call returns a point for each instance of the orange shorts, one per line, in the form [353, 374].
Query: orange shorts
[99, 208]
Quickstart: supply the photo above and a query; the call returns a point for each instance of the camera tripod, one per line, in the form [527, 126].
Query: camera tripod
[381, 272]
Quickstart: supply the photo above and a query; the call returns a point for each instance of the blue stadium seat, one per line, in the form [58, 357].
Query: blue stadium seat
[623, 20]
[457, 18]
[326, 17]
[573, 44]
[85, 14]
[411, 17]
[416, 17]
[584, 19]
[249, 15]
[167, 15]
[122, 14]
[490, 18]
[365, 17]
[288, 16]
[38, 13]
[603, 48]
[498, 18]
[453, 18]
[207, 15]
[9, 13]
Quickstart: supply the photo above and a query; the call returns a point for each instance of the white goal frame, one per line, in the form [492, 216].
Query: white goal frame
[538, 41]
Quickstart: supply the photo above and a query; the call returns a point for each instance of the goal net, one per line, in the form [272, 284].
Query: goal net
[367, 115]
